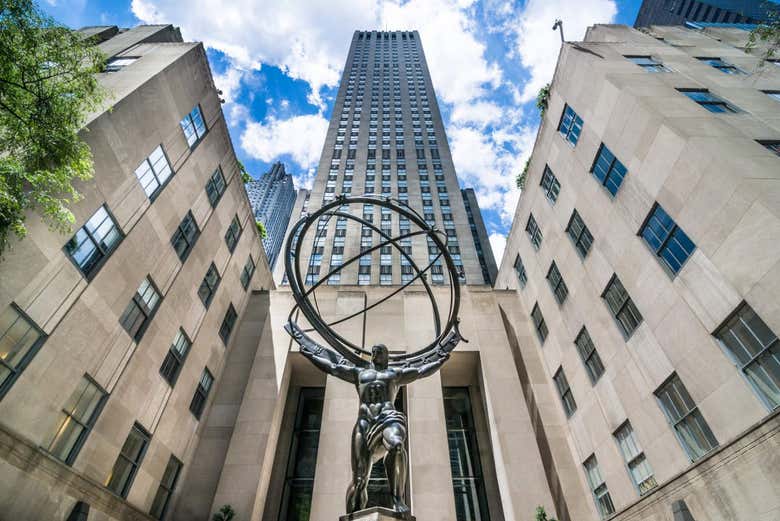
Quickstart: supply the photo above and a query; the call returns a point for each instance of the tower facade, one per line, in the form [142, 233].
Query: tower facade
[272, 198]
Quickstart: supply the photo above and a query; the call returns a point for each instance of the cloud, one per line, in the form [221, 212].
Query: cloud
[497, 244]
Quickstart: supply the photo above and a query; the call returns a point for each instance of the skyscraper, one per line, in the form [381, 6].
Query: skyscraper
[677, 12]
[272, 198]
[386, 137]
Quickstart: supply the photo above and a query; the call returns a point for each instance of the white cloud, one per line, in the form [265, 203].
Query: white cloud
[481, 113]
[497, 244]
[538, 45]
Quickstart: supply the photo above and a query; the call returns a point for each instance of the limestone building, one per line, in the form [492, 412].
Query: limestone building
[272, 198]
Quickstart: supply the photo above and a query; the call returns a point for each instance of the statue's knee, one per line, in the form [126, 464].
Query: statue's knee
[395, 444]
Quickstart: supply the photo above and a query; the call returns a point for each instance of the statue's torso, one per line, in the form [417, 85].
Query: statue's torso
[377, 390]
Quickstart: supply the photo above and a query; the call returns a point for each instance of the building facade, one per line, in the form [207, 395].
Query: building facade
[112, 337]
[644, 255]
[678, 12]
[272, 198]
[479, 233]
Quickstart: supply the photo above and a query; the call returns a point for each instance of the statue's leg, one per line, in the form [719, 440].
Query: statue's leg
[396, 467]
[357, 493]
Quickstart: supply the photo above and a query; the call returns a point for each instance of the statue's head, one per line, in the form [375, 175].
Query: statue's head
[379, 356]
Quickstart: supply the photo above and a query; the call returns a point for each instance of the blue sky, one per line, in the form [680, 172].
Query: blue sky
[278, 64]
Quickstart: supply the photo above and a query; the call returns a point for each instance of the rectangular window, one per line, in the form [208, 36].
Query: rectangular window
[557, 285]
[165, 491]
[755, 350]
[684, 416]
[154, 172]
[233, 234]
[534, 232]
[522, 276]
[208, 287]
[719, 64]
[20, 339]
[570, 125]
[564, 392]
[622, 307]
[198, 402]
[599, 488]
[608, 170]
[590, 357]
[215, 187]
[708, 100]
[774, 94]
[184, 237]
[648, 63]
[174, 360]
[94, 242]
[119, 63]
[638, 467]
[670, 244]
[128, 461]
[467, 478]
[227, 324]
[539, 325]
[579, 234]
[77, 418]
[140, 310]
[247, 272]
[550, 185]
[771, 145]
[193, 126]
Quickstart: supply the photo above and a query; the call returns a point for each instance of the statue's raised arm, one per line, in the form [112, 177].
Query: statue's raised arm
[434, 360]
[322, 357]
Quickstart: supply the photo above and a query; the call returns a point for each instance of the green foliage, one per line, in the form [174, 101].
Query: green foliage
[542, 99]
[767, 34]
[226, 513]
[47, 87]
[245, 177]
[261, 229]
[520, 179]
[541, 515]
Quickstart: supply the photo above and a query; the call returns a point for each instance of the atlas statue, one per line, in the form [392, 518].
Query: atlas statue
[380, 431]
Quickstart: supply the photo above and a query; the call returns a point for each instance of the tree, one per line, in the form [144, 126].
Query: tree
[543, 99]
[520, 179]
[47, 88]
[261, 229]
[541, 515]
[767, 34]
[226, 513]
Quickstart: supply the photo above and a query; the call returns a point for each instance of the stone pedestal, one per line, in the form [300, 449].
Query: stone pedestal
[376, 514]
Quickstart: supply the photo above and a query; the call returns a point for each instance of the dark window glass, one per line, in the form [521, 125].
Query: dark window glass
[685, 418]
[20, 339]
[208, 287]
[94, 242]
[229, 321]
[771, 145]
[590, 357]
[719, 64]
[247, 272]
[193, 126]
[128, 461]
[580, 234]
[165, 491]
[534, 232]
[622, 307]
[564, 392]
[233, 234]
[215, 187]
[539, 324]
[648, 63]
[171, 366]
[708, 100]
[77, 418]
[668, 241]
[557, 285]
[608, 170]
[550, 185]
[140, 310]
[201, 393]
[184, 237]
[520, 270]
[570, 126]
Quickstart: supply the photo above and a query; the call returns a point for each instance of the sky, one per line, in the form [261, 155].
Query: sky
[278, 64]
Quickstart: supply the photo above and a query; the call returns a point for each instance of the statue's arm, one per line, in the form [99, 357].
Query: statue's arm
[410, 374]
[321, 357]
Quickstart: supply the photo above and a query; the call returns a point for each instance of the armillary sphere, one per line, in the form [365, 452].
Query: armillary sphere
[446, 336]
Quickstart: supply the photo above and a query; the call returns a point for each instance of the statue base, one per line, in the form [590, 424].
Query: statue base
[376, 514]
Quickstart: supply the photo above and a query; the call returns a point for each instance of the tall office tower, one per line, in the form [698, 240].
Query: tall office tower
[678, 12]
[272, 198]
[645, 252]
[386, 138]
[112, 337]
[479, 233]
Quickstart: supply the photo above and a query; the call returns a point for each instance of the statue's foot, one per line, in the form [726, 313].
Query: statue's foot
[400, 507]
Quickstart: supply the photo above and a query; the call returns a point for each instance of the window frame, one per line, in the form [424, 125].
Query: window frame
[654, 66]
[231, 310]
[715, 101]
[180, 234]
[162, 488]
[584, 232]
[558, 287]
[626, 304]
[722, 66]
[550, 185]
[232, 234]
[569, 130]
[559, 379]
[665, 241]
[32, 351]
[191, 122]
[594, 488]
[534, 235]
[202, 394]
[212, 290]
[247, 274]
[86, 427]
[587, 352]
[634, 459]
[160, 185]
[539, 323]
[177, 357]
[138, 301]
[522, 274]
[611, 172]
[135, 464]
[105, 253]
[214, 185]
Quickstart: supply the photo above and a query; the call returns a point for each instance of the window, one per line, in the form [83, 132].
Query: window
[174, 360]
[467, 478]
[185, 236]
[608, 170]
[165, 491]
[128, 461]
[139, 312]
[154, 172]
[648, 63]
[299, 477]
[590, 357]
[119, 63]
[579, 234]
[94, 242]
[215, 187]
[541, 327]
[771, 145]
[775, 94]
[534, 232]
[683, 415]
[227, 324]
[666, 239]
[564, 392]
[550, 185]
[719, 64]
[557, 285]
[570, 125]
[622, 307]
[208, 287]
[201, 393]
[193, 126]
[520, 270]
[247, 272]
[638, 467]
[754, 348]
[708, 100]
[598, 487]
[77, 418]
[20, 339]
[233, 234]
